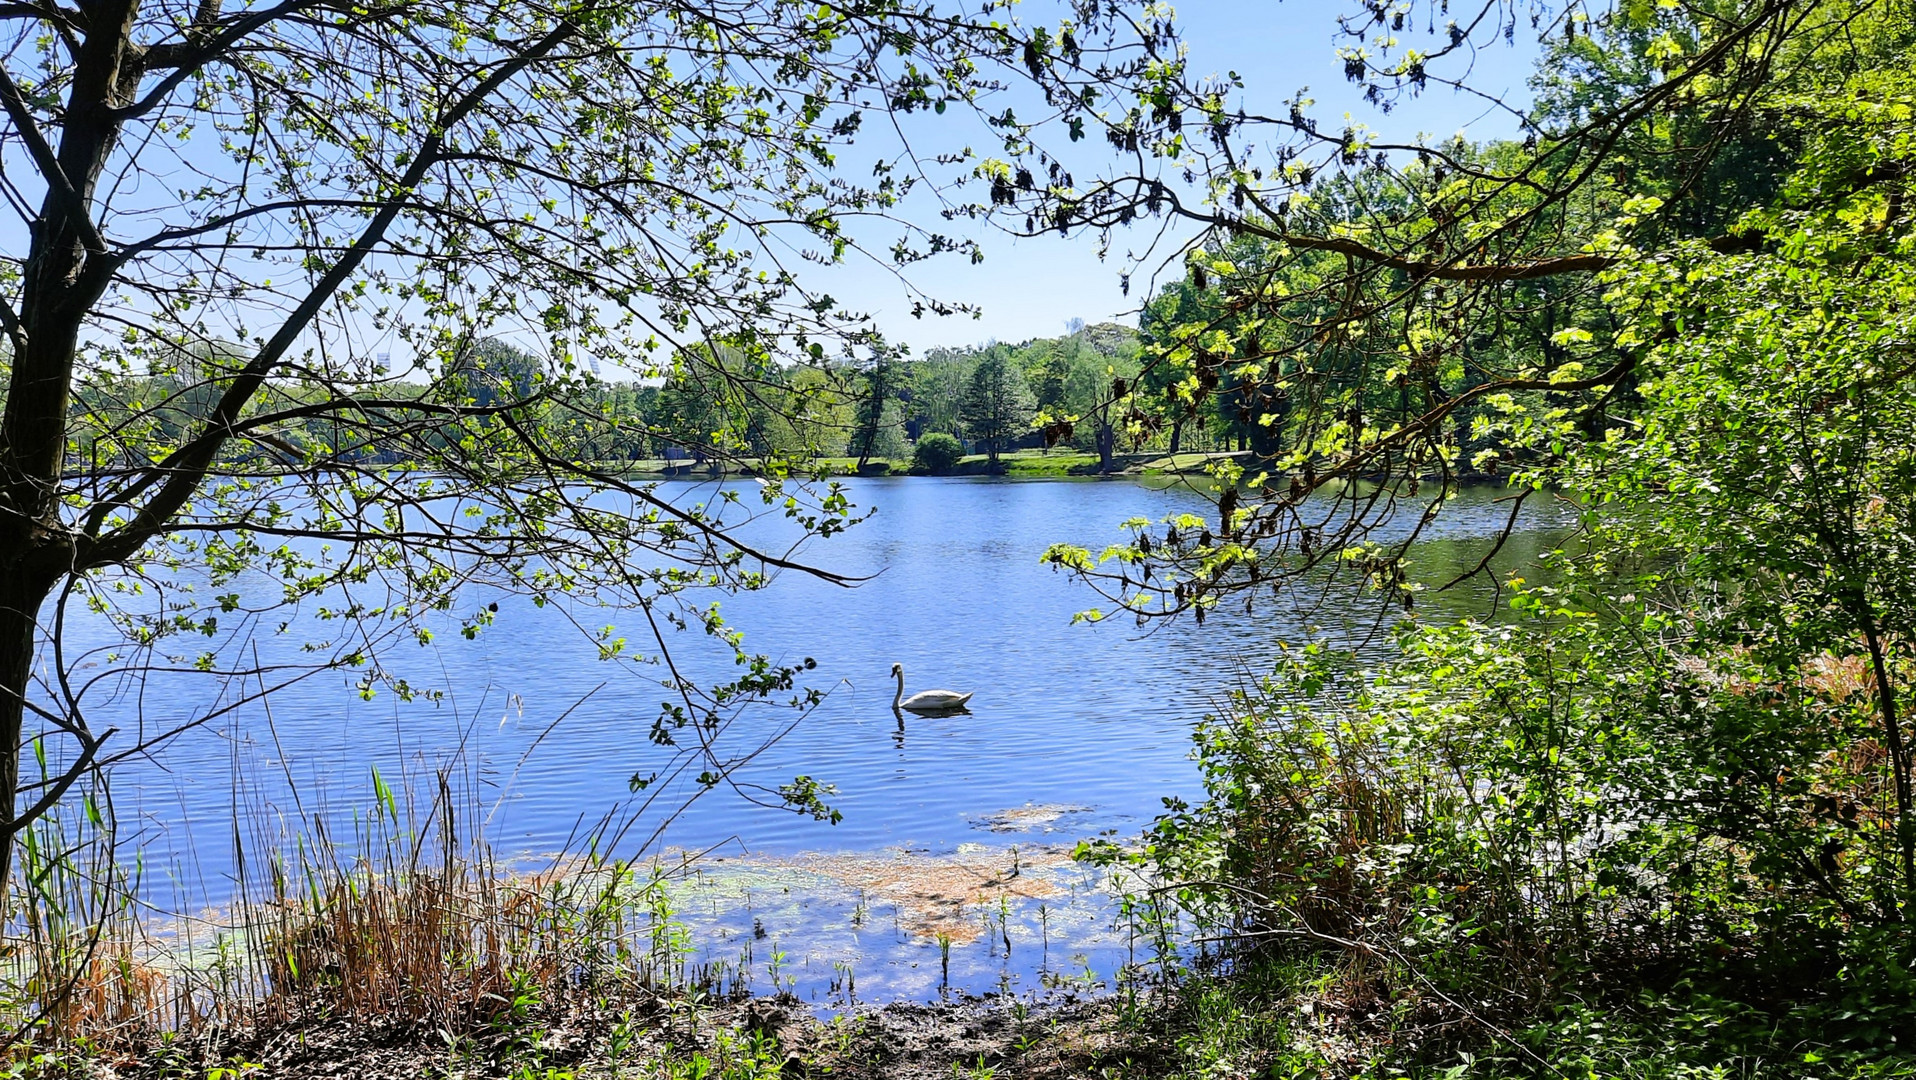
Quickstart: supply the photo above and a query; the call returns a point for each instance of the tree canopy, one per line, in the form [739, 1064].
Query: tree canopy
[1656, 815]
[395, 239]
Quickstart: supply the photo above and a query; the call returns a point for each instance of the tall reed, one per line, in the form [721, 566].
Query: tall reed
[411, 918]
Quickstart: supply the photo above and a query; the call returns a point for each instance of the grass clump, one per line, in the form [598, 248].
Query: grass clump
[411, 945]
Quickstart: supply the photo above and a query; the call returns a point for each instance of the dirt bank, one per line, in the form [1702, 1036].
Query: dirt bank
[647, 1035]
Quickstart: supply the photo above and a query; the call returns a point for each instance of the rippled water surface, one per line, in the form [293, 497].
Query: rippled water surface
[1088, 724]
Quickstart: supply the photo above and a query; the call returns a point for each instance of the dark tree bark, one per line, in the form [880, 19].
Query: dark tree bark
[21, 595]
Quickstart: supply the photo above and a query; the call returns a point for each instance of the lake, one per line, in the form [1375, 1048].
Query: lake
[1075, 730]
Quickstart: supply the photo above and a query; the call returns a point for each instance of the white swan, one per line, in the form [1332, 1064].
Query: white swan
[926, 701]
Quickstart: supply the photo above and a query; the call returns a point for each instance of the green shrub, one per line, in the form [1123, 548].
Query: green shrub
[1568, 837]
[937, 452]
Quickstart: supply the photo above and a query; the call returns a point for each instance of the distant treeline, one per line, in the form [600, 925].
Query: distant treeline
[1101, 389]
[712, 403]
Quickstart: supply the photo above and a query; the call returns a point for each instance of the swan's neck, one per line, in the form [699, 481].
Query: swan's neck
[900, 696]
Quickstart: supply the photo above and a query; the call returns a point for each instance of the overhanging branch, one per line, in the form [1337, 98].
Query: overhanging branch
[49, 164]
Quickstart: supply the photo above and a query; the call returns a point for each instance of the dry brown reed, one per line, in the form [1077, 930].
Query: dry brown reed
[401, 924]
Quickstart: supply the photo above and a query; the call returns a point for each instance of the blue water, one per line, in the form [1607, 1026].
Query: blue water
[544, 736]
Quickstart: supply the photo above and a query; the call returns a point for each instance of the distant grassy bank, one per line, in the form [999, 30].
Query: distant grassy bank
[1020, 464]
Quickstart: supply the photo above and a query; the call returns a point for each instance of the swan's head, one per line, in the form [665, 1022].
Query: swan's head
[898, 669]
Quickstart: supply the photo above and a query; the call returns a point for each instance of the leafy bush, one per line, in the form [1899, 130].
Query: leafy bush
[1661, 821]
[1525, 835]
[937, 452]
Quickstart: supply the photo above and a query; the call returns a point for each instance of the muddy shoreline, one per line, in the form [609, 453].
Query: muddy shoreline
[646, 1034]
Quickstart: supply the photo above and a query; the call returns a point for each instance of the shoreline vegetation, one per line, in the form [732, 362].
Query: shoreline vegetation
[1021, 464]
[1015, 465]
[414, 951]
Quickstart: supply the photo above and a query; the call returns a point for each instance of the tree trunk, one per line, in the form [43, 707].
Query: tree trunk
[65, 272]
[1177, 433]
[60, 280]
[1898, 747]
[21, 593]
[870, 423]
[1107, 440]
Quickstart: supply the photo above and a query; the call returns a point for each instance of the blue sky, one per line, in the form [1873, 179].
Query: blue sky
[1024, 288]
[1029, 288]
